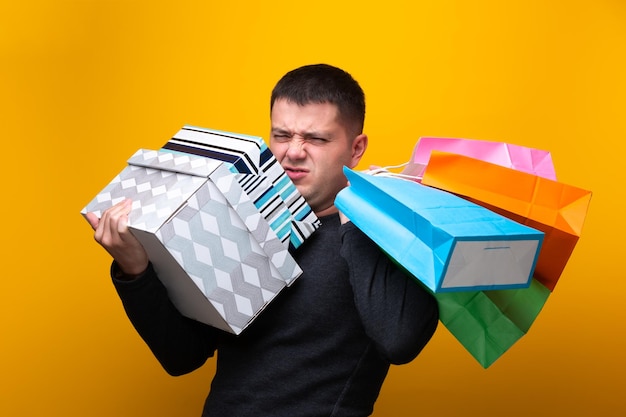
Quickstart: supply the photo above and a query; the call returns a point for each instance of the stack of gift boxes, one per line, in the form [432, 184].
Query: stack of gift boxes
[217, 215]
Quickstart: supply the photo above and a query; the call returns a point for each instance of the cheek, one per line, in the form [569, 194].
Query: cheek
[278, 150]
[331, 168]
[336, 160]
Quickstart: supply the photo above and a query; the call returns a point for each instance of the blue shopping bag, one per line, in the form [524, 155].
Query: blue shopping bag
[444, 241]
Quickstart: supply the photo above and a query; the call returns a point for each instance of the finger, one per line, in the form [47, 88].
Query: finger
[343, 218]
[93, 220]
[108, 228]
[121, 224]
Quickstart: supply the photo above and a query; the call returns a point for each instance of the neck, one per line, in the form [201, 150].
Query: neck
[327, 211]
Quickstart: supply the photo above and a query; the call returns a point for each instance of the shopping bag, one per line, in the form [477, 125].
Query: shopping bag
[218, 257]
[260, 175]
[555, 208]
[488, 323]
[446, 242]
[521, 158]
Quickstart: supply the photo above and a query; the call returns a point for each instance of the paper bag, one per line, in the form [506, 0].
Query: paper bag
[555, 208]
[488, 323]
[446, 242]
[521, 158]
[260, 174]
[216, 254]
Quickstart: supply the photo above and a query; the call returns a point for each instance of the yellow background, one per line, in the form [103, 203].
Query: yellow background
[86, 83]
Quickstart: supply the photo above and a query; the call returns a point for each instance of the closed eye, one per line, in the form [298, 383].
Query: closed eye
[281, 136]
[316, 140]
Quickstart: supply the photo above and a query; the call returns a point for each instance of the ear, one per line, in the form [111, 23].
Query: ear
[359, 145]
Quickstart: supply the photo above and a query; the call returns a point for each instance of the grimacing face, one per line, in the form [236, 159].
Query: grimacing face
[312, 146]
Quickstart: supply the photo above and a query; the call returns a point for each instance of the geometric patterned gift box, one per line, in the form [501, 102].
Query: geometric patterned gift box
[259, 173]
[217, 255]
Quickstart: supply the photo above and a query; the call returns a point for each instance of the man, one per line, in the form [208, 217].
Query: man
[324, 345]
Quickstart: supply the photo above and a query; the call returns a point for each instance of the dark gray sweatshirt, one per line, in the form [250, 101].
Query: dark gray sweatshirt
[322, 347]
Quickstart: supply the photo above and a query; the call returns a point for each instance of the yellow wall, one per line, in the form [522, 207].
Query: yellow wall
[86, 83]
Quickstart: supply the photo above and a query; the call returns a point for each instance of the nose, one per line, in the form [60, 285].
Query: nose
[296, 150]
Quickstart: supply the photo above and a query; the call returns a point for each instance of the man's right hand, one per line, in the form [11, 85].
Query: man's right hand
[112, 233]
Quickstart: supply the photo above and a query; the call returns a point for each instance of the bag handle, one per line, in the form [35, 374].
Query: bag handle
[412, 171]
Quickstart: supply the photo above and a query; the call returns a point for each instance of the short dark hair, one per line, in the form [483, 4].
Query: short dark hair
[323, 83]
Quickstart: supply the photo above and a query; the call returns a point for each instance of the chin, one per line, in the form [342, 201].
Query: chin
[301, 190]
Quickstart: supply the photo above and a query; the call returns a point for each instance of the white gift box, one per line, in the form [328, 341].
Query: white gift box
[215, 252]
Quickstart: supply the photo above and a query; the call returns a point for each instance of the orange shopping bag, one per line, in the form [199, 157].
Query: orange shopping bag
[555, 208]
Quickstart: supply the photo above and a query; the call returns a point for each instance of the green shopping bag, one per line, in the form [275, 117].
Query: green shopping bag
[488, 323]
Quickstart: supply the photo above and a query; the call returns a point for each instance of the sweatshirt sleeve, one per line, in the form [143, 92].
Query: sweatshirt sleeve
[398, 314]
[180, 344]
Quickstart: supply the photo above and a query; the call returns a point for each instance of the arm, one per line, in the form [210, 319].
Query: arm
[398, 314]
[180, 344]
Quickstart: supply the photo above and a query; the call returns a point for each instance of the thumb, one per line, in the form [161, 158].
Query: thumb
[93, 220]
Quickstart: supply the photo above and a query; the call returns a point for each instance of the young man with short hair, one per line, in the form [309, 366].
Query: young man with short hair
[324, 345]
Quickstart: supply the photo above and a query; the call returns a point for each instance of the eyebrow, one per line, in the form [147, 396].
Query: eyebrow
[305, 135]
[281, 131]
